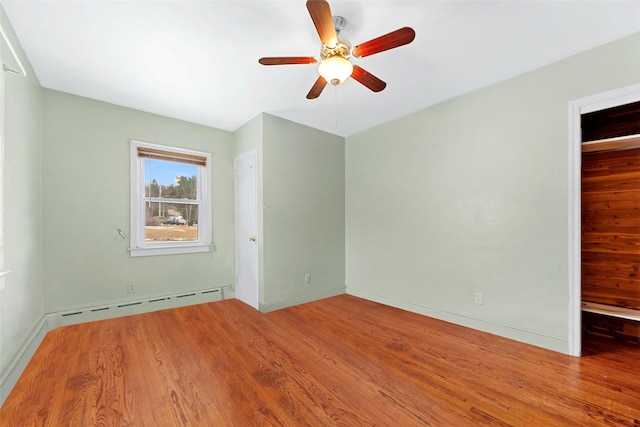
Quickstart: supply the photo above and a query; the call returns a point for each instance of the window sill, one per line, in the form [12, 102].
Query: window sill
[169, 250]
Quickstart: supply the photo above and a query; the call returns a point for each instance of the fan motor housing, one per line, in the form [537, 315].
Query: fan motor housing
[342, 49]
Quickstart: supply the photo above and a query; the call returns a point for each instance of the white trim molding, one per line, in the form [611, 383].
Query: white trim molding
[578, 107]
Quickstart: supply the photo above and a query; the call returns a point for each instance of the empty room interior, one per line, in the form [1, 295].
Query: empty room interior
[432, 218]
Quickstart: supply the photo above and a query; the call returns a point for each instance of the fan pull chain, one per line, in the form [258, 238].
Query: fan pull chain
[335, 100]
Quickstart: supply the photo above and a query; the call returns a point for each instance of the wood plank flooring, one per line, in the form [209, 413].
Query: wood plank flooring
[338, 361]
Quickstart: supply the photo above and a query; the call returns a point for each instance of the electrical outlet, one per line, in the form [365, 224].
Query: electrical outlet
[131, 289]
[307, 279]
[478, 298]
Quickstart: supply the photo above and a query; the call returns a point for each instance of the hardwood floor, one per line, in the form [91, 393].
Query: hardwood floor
[338, 361]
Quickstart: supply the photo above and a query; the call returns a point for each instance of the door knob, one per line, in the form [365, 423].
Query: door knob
[252, 238]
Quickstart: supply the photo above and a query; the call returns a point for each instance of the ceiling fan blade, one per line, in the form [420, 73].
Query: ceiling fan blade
[320, 12]
[367, 79]
[285, 60]
[394, 39]
[317, 88]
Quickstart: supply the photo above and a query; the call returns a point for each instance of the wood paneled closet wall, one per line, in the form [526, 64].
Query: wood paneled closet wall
[611, 222]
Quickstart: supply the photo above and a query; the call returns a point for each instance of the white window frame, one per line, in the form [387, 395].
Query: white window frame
[138, 245]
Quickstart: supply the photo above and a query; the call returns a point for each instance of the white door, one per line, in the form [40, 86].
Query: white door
[246, 218]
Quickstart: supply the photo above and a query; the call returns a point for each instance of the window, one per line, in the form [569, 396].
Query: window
[170, 200]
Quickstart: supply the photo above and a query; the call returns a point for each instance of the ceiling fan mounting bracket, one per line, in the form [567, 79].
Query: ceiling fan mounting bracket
[339, 23]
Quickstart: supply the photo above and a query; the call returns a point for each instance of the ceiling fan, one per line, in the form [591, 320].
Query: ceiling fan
[334, 64]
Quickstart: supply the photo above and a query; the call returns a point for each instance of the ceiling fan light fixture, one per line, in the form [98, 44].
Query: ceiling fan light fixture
[335, 52]
[335, 69]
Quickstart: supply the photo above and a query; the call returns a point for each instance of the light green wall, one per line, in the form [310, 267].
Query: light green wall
[21, 302]
[471, 195]
[248, 137]
[303, 209]
[86, 199]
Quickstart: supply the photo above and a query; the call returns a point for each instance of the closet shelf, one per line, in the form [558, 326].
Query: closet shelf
[610, 310]
[617, 143]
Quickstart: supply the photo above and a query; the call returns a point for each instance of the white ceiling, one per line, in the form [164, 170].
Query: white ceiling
[198, 60]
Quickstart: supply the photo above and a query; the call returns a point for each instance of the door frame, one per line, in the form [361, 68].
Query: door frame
[253, 153]
[578, 107]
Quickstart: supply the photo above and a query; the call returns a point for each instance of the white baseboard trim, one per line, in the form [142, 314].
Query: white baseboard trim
[81, 314]
[10, 374]
[289, 302]
[535, 338]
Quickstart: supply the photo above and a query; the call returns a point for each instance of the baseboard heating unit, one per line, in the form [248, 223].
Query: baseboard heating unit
[129, 307]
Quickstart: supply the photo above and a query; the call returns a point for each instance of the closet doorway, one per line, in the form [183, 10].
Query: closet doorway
[604, 240]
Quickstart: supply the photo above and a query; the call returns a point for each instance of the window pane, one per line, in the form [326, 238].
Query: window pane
[173, 180]
[173, 222]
